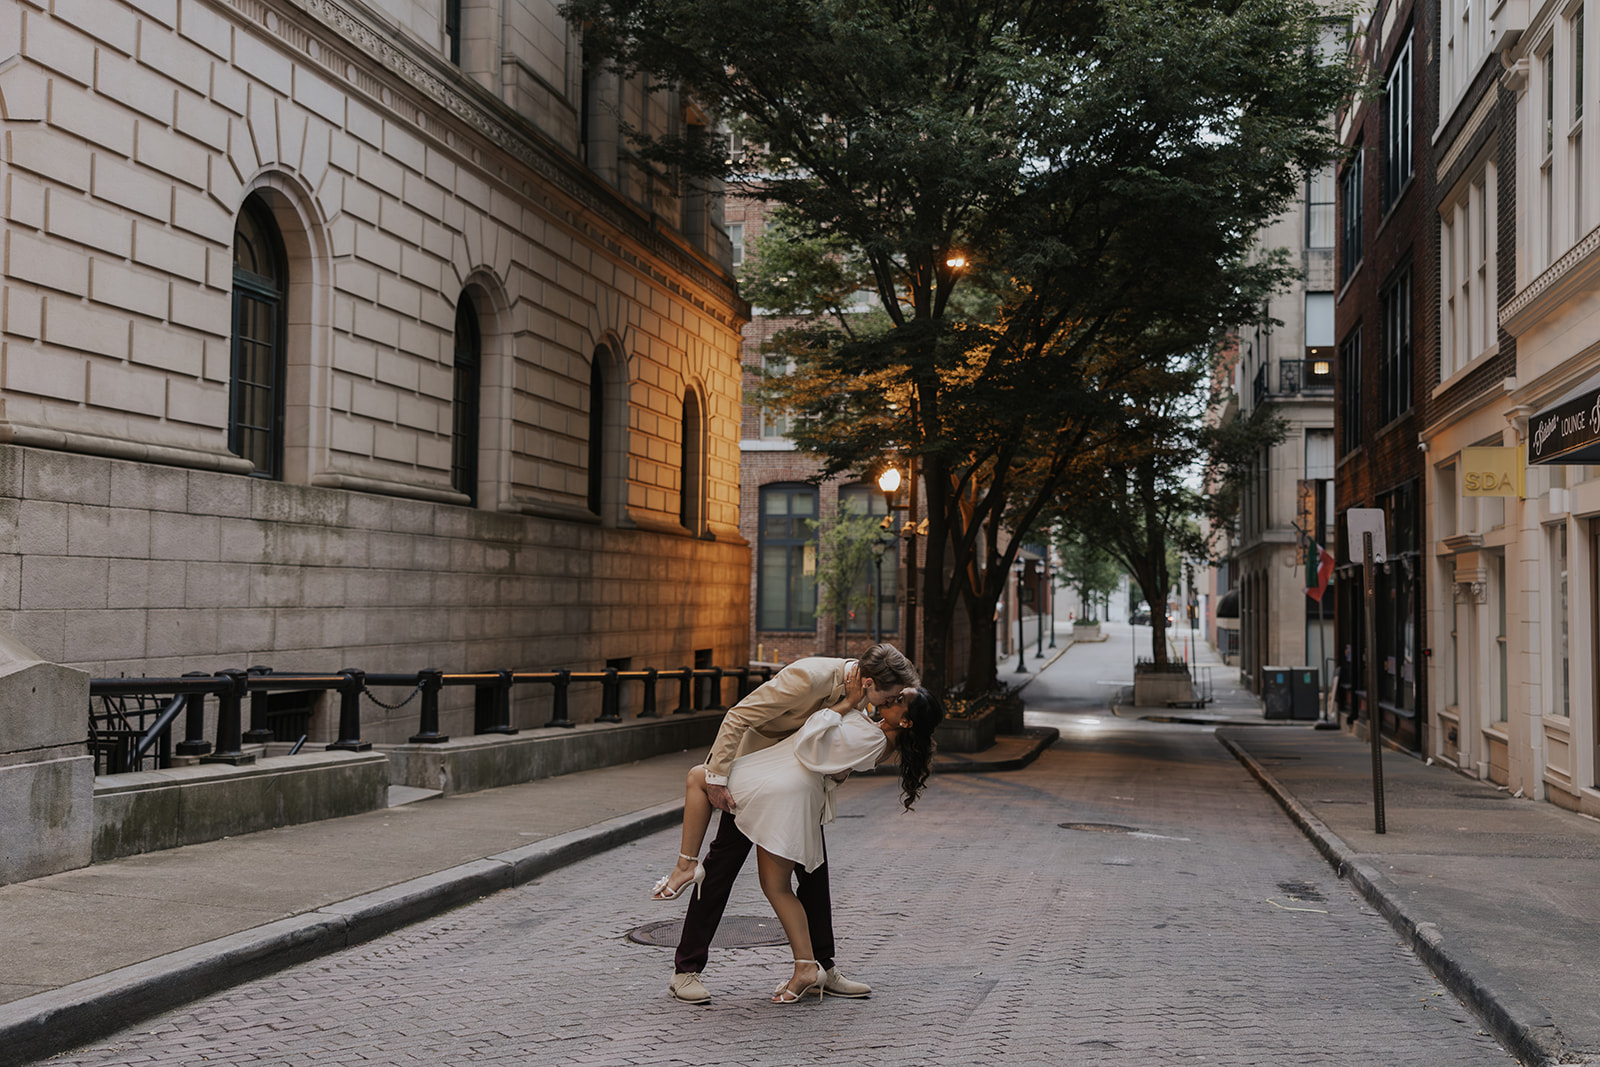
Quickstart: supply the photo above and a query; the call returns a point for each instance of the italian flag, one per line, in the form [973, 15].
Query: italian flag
[1319, 568]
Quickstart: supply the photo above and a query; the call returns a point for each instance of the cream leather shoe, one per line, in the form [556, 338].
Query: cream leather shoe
[688, 988]
[837, 985]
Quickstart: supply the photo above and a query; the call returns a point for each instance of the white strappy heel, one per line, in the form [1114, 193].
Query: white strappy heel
[784, 995]
[661, 892]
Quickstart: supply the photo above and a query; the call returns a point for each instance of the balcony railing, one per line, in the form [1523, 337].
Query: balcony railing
[1296, 377]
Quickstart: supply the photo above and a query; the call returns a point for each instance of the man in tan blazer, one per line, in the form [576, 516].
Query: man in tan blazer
[768, 715]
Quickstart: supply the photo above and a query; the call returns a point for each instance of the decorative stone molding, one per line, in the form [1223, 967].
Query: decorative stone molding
[1471, 593]
[384, 487]
[1573, 270]
[168, 455]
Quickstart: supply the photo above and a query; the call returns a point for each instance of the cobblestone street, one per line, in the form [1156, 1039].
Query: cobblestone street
[1210, 934]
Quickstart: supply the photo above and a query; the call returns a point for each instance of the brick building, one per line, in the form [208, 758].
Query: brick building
[1469, 373]
[779, 497]
[1385, 270]
[354, 335]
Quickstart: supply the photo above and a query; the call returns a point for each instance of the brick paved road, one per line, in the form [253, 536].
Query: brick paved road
[1213, 936]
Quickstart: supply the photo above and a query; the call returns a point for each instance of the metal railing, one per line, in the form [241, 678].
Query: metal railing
[136, 716]
[1295, 378]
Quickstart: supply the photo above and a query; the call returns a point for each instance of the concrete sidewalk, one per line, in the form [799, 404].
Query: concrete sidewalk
[1495, 893]
[89, 951]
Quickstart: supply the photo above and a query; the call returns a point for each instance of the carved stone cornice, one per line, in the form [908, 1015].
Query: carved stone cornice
[485, 115]
[1574, 270]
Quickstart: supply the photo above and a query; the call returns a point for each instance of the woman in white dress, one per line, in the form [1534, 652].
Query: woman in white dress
[784, 795]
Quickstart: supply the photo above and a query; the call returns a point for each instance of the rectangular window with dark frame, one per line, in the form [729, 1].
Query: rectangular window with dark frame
[1394, 361]
[1349, 389]
[1350, 186]
[1397, 91]
[786, 585]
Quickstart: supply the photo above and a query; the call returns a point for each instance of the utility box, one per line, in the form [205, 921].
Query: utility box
[1277, 692]
[1304, 690]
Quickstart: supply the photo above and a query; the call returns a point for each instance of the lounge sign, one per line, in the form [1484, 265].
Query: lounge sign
[1566, 433]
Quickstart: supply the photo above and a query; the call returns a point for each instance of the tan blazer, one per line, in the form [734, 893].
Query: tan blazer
[775, 710]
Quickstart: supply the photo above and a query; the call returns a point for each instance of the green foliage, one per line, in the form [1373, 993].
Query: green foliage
[1234, 450]
[1087, 567]
[844, 564]
[1103, 166]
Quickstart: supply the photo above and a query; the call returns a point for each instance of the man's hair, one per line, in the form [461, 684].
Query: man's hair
[887, 665]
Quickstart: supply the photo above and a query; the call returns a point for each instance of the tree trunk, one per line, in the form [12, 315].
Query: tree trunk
[982, 672]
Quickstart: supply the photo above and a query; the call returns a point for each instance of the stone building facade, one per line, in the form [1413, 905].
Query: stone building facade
[354, 336]
[1285, 372]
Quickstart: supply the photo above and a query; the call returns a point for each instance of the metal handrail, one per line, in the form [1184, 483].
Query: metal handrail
[233, 686]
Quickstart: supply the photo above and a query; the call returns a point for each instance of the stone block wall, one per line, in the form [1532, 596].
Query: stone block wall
[128, 568]
[132, 540]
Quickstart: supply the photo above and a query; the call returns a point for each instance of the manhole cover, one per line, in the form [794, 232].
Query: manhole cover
[1099, 827]
[735, 931]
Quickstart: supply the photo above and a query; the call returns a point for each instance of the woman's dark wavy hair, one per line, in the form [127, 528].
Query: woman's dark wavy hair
[915, 744]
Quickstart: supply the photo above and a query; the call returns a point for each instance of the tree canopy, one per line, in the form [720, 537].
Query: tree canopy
[1098, 169]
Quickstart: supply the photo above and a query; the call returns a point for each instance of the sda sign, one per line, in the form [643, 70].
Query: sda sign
[1488, 471]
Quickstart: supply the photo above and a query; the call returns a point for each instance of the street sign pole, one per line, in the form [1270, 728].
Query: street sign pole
[1369, 572]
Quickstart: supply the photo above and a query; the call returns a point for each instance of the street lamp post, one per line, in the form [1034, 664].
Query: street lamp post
[1051, 589]
[1038, 611]
[1022, 645]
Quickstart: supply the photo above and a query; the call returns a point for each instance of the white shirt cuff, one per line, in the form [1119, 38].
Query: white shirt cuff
[716, 779]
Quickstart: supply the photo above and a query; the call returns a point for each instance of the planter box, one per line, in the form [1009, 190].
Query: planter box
[1086, 631]
[966, 735]
[1161, 688]
[977, 733]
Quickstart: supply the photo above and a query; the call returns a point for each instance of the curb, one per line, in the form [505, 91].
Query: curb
[60, 1019]
[1517, 1022]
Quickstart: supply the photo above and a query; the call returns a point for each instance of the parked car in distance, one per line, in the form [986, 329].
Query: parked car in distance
[1140, 617]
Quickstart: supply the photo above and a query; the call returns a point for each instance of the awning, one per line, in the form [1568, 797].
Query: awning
[1568, 432]
[1228, 606]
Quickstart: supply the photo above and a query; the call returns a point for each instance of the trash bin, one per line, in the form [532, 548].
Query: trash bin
[1303, 689]
[1277, 692]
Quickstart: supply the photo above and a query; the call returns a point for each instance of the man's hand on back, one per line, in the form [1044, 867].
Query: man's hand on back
[720, 798]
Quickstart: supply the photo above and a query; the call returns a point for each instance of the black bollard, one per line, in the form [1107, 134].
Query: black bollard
[431, 680]
[350, 712]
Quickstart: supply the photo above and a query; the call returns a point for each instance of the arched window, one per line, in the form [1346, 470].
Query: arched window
[464, 406]
[691, 481]
[597, 430]
[786, 588]
[255, 394]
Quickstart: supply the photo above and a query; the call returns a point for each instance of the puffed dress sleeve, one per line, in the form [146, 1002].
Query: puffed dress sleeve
[829, 744]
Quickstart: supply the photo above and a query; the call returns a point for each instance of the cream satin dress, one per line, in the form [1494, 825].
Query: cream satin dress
[784, 795]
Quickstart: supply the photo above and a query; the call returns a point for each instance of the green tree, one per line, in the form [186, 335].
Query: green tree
[1138, 499]
[1087, 567]
[844, 565]
[1100, 167]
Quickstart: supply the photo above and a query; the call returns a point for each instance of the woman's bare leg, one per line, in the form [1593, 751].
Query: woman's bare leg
[697, 811]
[776, 874]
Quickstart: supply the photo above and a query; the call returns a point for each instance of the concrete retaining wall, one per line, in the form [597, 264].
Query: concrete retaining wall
[152, 810]
[45, 770]
[468, 764]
